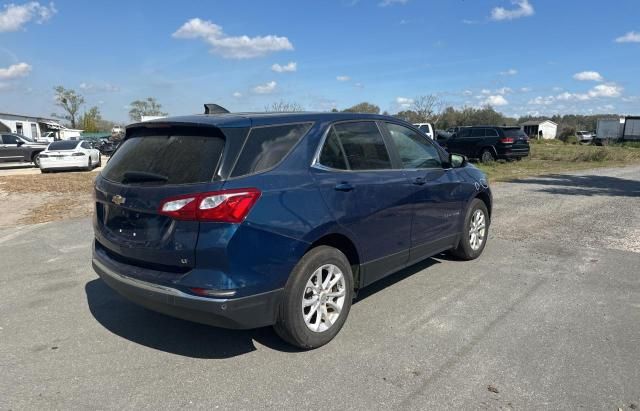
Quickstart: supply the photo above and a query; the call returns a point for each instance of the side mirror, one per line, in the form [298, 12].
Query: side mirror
[457, 160]
[20, 143]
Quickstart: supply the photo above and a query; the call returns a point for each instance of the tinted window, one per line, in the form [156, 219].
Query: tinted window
[477, 132]
[181, 159]
[86, 145]
[513, 132]
[10, 139]
[491, 132]
[267, 146]
[414, 150]
[363, 145]
[332, 154]
[424, 128]
[464, 132]
[63, 145]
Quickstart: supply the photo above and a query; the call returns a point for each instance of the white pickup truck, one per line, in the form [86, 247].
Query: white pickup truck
[426, 128]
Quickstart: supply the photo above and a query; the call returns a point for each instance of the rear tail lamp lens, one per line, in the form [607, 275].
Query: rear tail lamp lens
[231, 206]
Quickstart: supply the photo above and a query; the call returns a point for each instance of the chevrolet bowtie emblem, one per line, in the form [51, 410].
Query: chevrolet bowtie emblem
[118, 200]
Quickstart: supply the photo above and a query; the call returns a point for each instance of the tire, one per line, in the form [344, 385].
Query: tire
[35, 159]
[291, 325]
[99, 160]
[44, 171]
[518, 158]
[467, 249]
[88, 167]
[487, 156]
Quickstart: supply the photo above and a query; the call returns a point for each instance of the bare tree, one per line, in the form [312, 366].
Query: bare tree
[429, 108]
[283, 106]
[148, 107]
[70, 102]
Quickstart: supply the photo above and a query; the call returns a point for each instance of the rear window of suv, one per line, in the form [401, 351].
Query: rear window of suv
[513, 132]
[180, 159]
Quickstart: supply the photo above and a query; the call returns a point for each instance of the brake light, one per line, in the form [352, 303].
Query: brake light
[507, 140]
[77, 154]
[230, 206]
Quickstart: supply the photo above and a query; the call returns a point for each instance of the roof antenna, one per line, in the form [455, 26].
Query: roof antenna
[214, 109]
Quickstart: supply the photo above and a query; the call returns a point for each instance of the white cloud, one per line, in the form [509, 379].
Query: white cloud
[504, 90]
[525, 89]
[237, 94]
[343, 78]
[510, 72]
[15, 71]
[99, 88]
[524, 9]
[485, 91]
[467, 93]
[287, 68]
[239, 47]
[385, 3]
[358, 85]
[606, 90]
[496, 100]
[15, 16]
[404, 102]
[588, 76]
[542, 101]
[266, 88]
[630, 37]
[610, 90]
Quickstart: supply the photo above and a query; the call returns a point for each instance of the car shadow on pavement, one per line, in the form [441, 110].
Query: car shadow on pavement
[173, 335]
[584, 185]
[189, 339]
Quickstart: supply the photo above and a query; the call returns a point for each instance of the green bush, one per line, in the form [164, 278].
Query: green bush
[571, 140]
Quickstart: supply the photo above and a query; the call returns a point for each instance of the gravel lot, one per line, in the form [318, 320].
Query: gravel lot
[547, 318]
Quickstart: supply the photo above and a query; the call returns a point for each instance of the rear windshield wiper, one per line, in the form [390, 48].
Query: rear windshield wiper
[143, 177]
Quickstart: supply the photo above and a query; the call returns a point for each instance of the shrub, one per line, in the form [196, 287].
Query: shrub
[571, 140]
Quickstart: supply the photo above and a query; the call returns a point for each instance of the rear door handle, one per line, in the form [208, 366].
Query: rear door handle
[419, 181]
[344, 186]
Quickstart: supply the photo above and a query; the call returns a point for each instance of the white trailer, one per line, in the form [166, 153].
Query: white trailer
[631, 129]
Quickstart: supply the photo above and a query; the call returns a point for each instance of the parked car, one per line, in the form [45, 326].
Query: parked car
[426, 128]
[489, 143]
[14, 148]
[250, 220]
[584, 137]
[69, 155]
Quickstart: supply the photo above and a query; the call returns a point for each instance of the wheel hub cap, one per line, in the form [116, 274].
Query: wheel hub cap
[477, 230]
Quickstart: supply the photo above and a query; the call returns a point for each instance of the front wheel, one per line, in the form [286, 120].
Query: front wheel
[36, 160]
[487, 156]
[316, 299]
[474, 234]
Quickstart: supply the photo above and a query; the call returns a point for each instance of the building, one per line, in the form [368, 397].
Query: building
[36, 128]
[533, 128]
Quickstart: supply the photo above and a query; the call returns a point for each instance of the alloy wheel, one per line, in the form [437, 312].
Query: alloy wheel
[477, 230]
[323, 298]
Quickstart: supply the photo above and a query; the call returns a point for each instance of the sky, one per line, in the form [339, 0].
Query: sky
[538, 57]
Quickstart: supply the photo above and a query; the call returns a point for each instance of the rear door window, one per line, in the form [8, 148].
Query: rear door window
[9, 139]
[267, 146]
[332, 154]
[491, 132]
[477, 132]
[174, 159]
[363, 145]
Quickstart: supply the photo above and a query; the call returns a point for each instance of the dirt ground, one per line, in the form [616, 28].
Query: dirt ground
[39, 198]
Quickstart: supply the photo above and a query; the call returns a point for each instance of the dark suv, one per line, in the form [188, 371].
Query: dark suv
[249, 220]
[14, 148]
[489, 143]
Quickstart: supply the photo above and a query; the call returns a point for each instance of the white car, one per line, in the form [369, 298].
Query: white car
[584, 136]
[427, 128]
[69, 154]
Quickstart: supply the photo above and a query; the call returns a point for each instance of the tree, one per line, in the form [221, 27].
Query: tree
[70, 102]
[91, 120]
[409, 116]
[148, 107]
[283, 106]
[363, 108]
[429, 108]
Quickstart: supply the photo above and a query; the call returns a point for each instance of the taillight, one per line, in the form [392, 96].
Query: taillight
[507, 140]
[77, 154]
[230, 206]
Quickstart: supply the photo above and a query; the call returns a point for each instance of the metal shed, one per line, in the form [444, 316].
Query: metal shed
[533, 128]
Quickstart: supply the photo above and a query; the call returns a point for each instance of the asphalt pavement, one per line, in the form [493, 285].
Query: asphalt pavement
[547, 318]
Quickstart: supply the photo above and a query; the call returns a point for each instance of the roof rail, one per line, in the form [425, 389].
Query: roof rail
[214, 109]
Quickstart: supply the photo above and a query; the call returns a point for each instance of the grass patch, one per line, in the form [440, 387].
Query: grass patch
[551, 157]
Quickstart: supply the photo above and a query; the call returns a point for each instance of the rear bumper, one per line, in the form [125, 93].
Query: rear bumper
[48, 163]
[238, 313]
[513, 153]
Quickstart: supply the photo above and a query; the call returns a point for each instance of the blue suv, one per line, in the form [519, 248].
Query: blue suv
[246, 220]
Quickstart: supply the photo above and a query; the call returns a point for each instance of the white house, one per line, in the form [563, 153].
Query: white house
[533, 128]
[36, 128]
